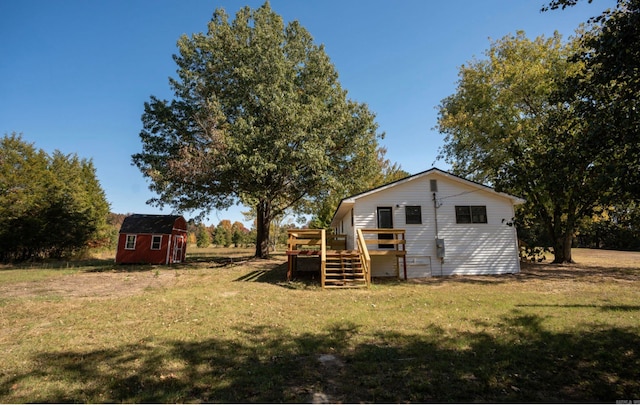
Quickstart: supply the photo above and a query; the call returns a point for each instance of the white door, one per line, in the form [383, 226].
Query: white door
[178, 246]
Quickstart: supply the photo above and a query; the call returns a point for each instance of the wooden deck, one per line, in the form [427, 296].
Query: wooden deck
[340, 267]
[394, 245]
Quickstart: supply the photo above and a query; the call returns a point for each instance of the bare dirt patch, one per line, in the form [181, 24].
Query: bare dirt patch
[90, 285]
[123, 282]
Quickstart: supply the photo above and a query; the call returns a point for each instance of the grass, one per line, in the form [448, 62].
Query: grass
[222, 328]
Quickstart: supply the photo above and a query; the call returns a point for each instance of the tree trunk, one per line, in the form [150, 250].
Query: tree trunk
[562, 248]
[263, 210]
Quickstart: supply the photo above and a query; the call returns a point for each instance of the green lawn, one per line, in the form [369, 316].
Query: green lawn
[224, 329]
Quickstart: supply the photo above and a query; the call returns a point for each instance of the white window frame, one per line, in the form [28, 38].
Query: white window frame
[130, 237]
[473, 219]
[153, 239]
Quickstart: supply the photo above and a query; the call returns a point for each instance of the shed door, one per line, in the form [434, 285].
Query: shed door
[385, 220]
[178, 246]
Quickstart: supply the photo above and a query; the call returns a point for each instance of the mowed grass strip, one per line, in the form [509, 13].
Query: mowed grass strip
[223, 328]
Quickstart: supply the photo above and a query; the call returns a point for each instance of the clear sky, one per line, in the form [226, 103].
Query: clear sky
[74, 74]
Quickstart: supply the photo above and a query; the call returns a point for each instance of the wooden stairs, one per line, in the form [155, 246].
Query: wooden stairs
[344, 269]
[339, 267]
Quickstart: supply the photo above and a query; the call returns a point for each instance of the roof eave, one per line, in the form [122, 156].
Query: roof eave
[343, 208]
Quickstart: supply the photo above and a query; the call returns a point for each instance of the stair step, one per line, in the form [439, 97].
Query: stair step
[344, 282]
[344, 269]
[345, 276]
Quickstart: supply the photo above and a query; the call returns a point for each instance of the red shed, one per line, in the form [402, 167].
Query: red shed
[153, 239]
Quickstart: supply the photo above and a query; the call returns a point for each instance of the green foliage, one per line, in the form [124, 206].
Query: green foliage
[614, 227]
[50, 205]
[239, 234]
[258, 117]
[604, 97]
[203, 239]
[503, 127]
[386, 172]
[223, 234]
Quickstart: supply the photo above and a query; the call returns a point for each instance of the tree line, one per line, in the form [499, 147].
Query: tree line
[225, 234]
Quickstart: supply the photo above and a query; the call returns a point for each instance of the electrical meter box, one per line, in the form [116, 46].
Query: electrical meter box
[440, 248]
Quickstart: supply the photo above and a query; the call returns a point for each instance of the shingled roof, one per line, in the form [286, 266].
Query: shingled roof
[142, 223]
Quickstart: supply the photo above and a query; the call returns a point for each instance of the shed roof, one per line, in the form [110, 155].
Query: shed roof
[143, 223]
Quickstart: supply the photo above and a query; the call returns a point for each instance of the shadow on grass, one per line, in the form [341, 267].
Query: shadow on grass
[542, 272]
[614, 308]
[220, 260]
[308, 276]
[268, 364]
[572, 271]
[277, 275]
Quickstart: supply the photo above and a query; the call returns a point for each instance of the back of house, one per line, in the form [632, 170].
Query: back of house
[452, 226]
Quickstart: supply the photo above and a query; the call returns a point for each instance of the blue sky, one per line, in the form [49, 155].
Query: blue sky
[74, 74]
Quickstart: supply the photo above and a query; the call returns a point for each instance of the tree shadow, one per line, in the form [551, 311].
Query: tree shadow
[269, 364]
[550, 271]
[276, 274]
[219, 260]
[541, 272]
[604, 308]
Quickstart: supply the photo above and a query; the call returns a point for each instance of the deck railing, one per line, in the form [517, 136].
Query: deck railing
[395, 245]
[323, 258]
[365, 258]
[315, 242]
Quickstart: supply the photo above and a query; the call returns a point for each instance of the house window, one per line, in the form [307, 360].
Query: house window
[130, 244]
[471, 214]
[413, 214]
[156, 240]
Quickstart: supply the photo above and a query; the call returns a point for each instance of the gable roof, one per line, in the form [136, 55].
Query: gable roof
[348, 202]
[142, 223]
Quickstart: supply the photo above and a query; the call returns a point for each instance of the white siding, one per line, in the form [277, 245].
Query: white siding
[349, 231]
[489, 248]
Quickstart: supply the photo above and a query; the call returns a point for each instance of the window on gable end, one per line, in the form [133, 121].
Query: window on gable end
[471, 214]
[413, 214]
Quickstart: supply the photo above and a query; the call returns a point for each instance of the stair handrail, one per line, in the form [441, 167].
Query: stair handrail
[323, 256]
[364, 255]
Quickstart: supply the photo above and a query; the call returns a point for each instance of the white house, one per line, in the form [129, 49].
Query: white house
[452, 226]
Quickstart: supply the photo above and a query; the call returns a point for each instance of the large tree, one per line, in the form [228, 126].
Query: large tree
[502, 128]
[259, 117]
[605, 95]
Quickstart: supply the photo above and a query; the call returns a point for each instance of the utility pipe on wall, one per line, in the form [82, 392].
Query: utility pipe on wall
[435, 215]
[435, 212]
